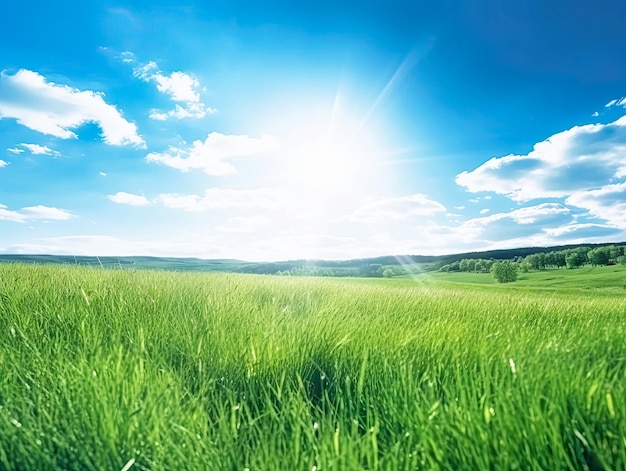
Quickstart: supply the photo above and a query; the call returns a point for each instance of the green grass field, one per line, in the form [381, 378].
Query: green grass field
[121, 369]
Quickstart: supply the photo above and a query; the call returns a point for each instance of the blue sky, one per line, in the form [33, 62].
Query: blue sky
[276, 130]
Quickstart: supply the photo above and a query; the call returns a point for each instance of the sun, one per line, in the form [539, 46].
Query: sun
[331, 154]
[325, 166]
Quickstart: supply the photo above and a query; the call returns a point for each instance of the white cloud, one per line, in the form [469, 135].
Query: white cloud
[122, 197]
[595, 114]
[484, 211]
[36, 149]
[616, 102]
[45, 212]
[570, 230]
[102, 174]
[128, 57]
[248, 224]
[223, 198]
[192, 110]
[581, 158]
[15, 150]
[180, 87]
[608, 203]
[54, 109]
[30, 213]
[210, 156]
[3, 163]
[398, 208]
[518, 228]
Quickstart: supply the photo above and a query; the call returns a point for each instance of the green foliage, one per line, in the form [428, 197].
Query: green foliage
[599, 256]
[468, 265]
[112, 369]
[576, 258]
[504, 272]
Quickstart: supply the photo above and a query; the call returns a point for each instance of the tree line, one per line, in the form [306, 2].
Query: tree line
[506, 271]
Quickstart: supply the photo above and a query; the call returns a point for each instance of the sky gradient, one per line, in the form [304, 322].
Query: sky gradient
[274, 130]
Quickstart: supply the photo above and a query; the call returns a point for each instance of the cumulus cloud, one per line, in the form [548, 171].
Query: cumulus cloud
[581, 158]
[122, 197]
[608, 203]
[179, 86]
[31, 213]
[54, 109]
[507, 226]
[398, 208]
[211, 155]
[15, 150]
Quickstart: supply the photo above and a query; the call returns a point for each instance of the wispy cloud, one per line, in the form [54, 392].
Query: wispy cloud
[223, 198]
[178, 86]
[122, 197]
[30, 213]
[616, 102]
[54, 109]
[15, 150]
[244, 225]
[398, 208]
[211, 155]
[3, 163]
[37, 149]
[127, 57]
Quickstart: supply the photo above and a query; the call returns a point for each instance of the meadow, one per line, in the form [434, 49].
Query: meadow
[136, 370]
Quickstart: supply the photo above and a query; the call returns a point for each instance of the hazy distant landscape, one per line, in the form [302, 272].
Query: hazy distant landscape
[369, 267]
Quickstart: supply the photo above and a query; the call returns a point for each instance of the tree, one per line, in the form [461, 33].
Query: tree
[550, 260]
[599, 256]
[524, 266]
[575, 258]
[559, 259]
[388, 273]
[504, 272]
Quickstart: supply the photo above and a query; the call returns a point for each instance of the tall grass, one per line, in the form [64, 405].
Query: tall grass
[105, 369]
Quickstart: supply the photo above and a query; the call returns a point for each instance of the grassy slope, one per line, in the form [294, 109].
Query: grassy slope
[611, 278]
[100, 368]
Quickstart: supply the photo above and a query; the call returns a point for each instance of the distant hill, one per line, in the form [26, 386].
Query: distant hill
[355, 267]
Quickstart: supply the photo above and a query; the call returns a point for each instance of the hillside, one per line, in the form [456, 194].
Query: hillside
[355, 267]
